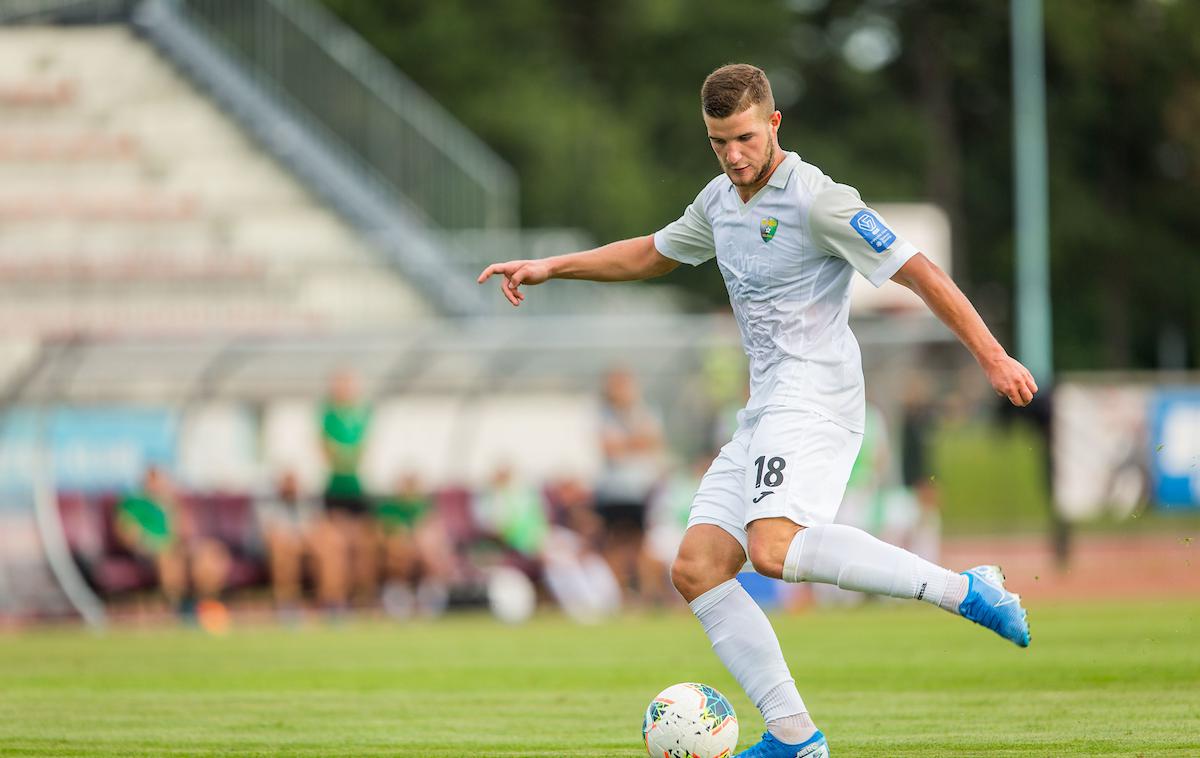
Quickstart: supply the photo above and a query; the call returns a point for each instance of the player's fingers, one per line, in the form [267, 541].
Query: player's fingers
[506, 290]
[487, 272]
[515, 282]
[1020, 396]
[1008, 390]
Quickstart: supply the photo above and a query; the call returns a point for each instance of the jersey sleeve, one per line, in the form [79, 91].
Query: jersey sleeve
[690, 239]
[843, 226]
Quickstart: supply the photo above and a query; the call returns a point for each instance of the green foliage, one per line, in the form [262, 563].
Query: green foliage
[889, 680]
[596, 104]
[991, 479]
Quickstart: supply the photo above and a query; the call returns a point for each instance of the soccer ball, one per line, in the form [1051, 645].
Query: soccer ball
[690, 721]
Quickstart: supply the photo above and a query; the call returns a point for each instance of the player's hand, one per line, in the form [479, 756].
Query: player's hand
[515, 274]
[1011, 380]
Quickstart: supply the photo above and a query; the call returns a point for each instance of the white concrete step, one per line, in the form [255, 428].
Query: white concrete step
[171, 204]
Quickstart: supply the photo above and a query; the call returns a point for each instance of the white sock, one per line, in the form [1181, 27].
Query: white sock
[854, 560]
[743, 639]
[792, 730]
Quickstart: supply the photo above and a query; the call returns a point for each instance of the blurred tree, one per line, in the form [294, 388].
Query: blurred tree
[596, 104]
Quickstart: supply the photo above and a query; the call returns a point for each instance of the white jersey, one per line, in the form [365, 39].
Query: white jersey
[787, 256]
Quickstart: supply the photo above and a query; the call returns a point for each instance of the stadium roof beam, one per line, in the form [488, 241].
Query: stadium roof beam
[511, 354]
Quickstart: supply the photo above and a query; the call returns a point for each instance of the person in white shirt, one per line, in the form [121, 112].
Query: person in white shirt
[787, 239]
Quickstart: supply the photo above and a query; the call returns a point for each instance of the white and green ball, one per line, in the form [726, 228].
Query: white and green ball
[690, 721]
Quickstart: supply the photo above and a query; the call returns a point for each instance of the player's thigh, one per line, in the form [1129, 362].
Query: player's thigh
[720, 500]
[798, 467]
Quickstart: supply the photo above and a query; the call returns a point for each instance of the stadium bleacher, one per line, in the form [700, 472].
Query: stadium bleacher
[117, 169]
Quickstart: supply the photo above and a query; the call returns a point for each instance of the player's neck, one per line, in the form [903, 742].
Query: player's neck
[745, 193]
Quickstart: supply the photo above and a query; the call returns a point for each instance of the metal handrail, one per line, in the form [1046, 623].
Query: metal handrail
[313, 153]
[397, 136]
[34, 11]
[262, 62]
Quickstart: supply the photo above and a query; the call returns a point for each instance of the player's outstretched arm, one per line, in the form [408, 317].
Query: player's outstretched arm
[622, 261]
[1009, 378]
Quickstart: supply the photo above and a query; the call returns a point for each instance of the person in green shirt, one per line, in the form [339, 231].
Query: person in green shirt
[345, 419]
[152, 526]
[417, 551]
[405, 509]
[577, 577]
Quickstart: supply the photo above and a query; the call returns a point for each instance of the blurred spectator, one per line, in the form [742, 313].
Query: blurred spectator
[578, 578]
[918, 424]
[572, 507]
[330, 557]
[666, 521]
[727, 386]
[864, 503]
[344, 421]
[632, 443]
[417, 551]
[155, 528]
[294, 526]
[514, 511]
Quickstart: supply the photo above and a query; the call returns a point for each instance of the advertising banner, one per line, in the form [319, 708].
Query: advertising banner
[1175, 458]
[1122, 446]
[91, 448]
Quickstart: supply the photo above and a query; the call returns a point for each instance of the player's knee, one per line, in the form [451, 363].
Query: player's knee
[683, 575]
[769, 541]
[692, 577]
[766, 558]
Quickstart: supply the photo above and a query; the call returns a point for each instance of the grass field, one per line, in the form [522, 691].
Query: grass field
[1112, 680]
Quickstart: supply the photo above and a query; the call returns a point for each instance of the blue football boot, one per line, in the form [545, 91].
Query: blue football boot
[769, 747]
[988, 604]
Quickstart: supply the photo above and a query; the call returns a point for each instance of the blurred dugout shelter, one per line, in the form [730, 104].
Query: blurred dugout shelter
[207, 207]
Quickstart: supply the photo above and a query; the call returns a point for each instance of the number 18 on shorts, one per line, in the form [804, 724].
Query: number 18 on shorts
[798, 464]
[782, 462]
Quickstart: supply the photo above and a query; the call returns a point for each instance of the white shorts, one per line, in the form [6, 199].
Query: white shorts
[780, 462]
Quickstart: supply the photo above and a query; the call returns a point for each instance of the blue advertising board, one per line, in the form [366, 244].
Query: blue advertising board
[1175, 448]
[91, 449]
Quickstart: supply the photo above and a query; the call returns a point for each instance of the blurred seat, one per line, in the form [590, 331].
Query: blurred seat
[118, 570]
[89, 525]
[230, 520]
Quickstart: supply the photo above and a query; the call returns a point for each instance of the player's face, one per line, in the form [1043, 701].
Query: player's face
[745, 144]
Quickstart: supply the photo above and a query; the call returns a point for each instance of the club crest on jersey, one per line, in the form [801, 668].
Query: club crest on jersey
[767, 227]
[871, 228]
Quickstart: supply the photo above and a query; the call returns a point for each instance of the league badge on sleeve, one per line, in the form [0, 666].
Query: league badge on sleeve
[871, 228]
[767, 227]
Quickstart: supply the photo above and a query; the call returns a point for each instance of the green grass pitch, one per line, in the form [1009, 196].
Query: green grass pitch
[887, 680]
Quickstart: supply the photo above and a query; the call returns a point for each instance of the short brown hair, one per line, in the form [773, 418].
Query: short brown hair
[734, 88]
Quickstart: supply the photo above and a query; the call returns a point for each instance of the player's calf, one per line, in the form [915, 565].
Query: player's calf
[854, 560]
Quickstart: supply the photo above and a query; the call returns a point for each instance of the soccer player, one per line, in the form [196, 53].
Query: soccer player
[787, 239]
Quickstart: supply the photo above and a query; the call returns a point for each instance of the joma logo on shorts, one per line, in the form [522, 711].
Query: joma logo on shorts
[760, 497]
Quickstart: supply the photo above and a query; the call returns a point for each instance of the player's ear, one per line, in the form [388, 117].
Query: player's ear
[775, 119]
